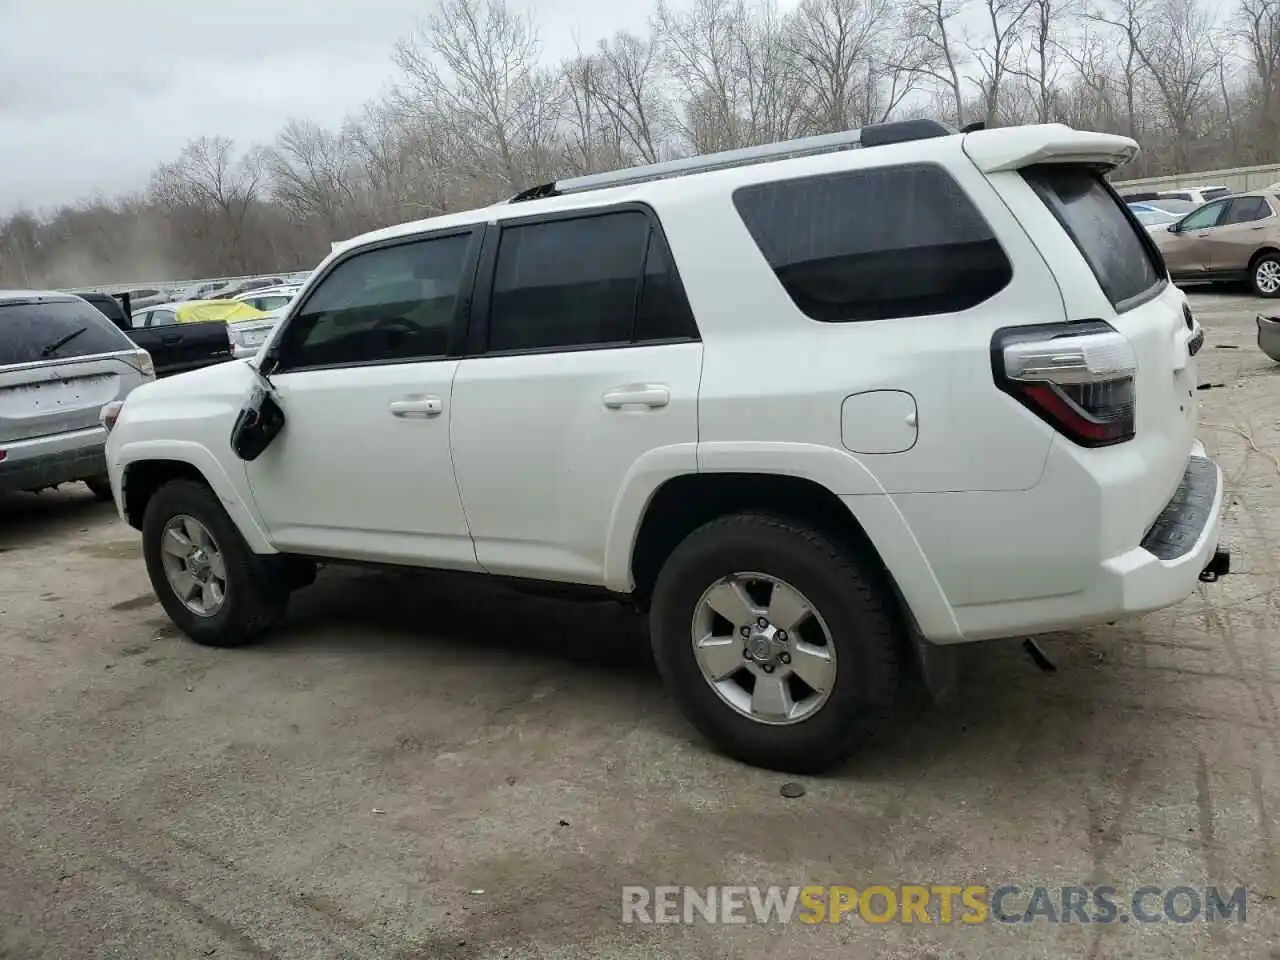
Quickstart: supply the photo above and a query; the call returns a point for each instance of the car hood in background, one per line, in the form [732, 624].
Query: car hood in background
[207, 311]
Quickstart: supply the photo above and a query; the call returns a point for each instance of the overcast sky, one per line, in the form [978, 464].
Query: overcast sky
[95, 93]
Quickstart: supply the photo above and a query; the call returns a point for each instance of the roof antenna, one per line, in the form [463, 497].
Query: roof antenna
[973, 127]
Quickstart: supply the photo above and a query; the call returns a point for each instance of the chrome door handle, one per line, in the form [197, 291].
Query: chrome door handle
[416, 407]
[637, 394]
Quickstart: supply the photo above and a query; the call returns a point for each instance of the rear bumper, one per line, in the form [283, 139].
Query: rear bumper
[63, 458]
[1162, 570]
[1269, 337]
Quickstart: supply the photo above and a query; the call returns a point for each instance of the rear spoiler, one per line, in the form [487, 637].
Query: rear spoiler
[1012, 148]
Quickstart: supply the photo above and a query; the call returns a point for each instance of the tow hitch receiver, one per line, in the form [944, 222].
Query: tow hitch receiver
[1219, 566]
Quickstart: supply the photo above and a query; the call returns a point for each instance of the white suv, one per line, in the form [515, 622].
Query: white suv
[820, 410]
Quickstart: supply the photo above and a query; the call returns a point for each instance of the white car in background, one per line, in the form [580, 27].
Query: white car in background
[270, 298]
[248, 336]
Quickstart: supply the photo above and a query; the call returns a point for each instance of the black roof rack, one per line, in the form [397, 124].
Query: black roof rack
[874, 135]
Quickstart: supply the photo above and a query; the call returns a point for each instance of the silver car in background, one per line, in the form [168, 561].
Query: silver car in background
[248, 336]
[61, 362]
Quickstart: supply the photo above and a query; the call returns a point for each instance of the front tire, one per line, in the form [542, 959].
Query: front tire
[780, 644]
[207, 579]
[1264, 276]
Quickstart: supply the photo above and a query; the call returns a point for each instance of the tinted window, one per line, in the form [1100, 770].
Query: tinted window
[1206, 216]
[55, 330]
[872, 244]
[1246, 210]
[396, 303]
[664, 313]
[568, 282]
[109, 307]
[1094, 217]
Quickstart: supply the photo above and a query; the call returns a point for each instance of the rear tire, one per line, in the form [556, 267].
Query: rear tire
[1264, 276]
[851, 609]
[250, 598]
[100, 487]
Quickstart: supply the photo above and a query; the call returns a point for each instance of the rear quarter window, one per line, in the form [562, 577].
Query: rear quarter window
[875, 244]
[1122, 259]
[55, 330]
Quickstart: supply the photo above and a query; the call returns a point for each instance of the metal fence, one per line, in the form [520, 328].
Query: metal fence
[1235, 179]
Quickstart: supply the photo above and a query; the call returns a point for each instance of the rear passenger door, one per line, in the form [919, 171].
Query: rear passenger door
[584, 365]
[1233, 242]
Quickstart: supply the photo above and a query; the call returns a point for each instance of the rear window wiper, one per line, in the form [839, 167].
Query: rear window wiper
[61, 342]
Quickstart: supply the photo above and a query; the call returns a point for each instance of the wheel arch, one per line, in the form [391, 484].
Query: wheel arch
[147, 468]
[870, 523]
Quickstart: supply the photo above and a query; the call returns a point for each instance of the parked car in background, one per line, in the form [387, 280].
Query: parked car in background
[247, 286]
[61, 362]
[1196, 195]
[1167, 204]
[188, 336]
[1153, 218]
[115, 307]
[1269, 336]
[270, 298]
[1236, 238]
[248, 336]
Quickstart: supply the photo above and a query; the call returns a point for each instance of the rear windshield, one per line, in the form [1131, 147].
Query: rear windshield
[1121, 258]
[55, 330]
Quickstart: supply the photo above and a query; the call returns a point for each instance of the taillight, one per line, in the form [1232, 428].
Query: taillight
[109, 414]
[1078, 377]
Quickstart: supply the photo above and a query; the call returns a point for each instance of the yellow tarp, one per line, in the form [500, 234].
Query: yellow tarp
[229, 311]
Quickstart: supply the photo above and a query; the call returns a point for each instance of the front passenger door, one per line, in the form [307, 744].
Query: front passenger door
[364, 372]
[1185, 250]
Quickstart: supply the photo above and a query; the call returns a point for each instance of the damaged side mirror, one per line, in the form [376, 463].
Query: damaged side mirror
[259, 422]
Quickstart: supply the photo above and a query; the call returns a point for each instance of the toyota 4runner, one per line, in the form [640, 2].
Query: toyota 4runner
[821, 408]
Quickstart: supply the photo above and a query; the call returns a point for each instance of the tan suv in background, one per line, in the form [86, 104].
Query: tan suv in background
[1235, 238]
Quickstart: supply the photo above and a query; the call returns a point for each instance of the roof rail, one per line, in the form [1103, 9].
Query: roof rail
[874, 135]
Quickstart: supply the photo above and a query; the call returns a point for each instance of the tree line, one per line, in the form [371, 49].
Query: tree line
[477, 113]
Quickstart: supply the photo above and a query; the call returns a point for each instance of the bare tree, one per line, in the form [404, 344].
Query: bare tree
[1004, 21]
[215, 189]
[1040, 62]
[628, 86]
[729, 61]
[933, 32]
[474, 65]
[312, 172]
[1259, 29]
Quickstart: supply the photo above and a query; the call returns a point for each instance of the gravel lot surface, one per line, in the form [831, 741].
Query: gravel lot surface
[415, 767]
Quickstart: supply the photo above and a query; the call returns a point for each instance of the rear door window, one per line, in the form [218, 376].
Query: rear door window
[56, 330]
[902, 241]
[1246, 210]
[1123, 260]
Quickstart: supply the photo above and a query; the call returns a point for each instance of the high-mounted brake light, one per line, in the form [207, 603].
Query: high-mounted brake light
[1077, 377]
